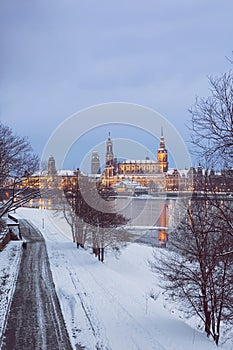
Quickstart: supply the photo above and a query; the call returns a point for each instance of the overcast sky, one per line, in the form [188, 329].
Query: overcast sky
[60, 56]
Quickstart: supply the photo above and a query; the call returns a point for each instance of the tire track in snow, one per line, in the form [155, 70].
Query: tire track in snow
[90, 313]
[120, 309]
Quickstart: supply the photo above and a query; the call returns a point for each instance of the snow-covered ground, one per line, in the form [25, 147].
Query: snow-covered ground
[9, 265]
[116, 304]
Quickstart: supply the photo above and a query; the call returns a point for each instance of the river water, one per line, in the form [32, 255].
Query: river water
[146, 210]
[151, 218]
[161, 212]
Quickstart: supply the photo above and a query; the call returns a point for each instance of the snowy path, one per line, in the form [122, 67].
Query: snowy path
[35, 320]
[108, 306]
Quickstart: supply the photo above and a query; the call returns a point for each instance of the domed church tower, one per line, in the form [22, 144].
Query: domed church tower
[109, 151]
[162, 154]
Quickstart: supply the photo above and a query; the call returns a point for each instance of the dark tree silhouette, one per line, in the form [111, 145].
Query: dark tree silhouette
[16, 155]
[93, 218]
[197, 268]
[16, 161]
[212, 122]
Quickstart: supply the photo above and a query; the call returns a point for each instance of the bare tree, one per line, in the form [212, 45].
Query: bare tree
[18, 198]
[195, 270]
[212, 122]
[212, 137]
[90, 217]
[107, 231]
[16, 160]
[76, 224]
[16, 155]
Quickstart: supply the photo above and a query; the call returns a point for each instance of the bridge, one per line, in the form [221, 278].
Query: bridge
[144, 228]
[152, 235]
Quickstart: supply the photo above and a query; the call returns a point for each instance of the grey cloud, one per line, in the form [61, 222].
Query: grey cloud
[64, 55]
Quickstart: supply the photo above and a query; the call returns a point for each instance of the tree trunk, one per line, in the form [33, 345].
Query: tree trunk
[216, 338]
[207, 322]
[207, 313]
[98, 253]
[102, 254]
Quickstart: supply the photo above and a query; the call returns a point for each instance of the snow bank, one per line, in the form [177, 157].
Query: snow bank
[9, 267]
[115, 305]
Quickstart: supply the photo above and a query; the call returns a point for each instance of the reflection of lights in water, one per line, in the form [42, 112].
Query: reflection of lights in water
[162, 236]
[147, 212]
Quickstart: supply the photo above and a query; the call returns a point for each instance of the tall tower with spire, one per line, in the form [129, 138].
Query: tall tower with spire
[162, 154]
[109, 151]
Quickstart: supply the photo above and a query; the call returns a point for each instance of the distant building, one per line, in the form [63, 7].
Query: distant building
[95, 163]
[155, 174]
[132, 176]
[52, 171]
[145, 172]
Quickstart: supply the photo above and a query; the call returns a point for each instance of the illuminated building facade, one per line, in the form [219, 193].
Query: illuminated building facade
[145, 172]
[154, 175]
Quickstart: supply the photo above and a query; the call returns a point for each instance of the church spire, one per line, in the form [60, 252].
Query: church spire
[162, 153]
[109, 151]
[162, 142]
